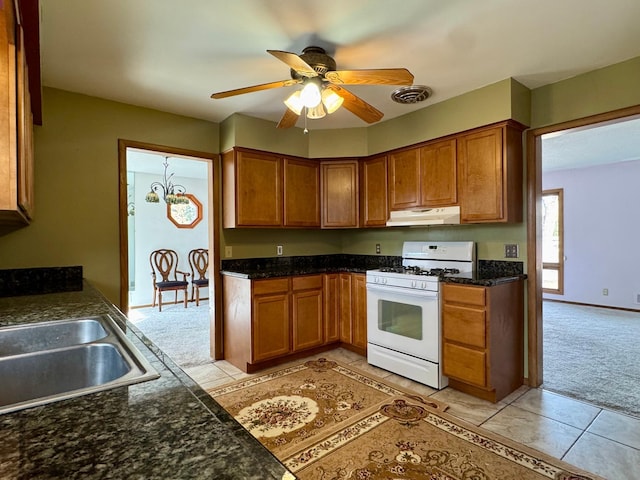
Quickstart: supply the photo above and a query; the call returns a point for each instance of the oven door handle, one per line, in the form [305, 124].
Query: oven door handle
[402, 291]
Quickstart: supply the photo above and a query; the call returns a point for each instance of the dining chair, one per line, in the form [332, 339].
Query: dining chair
[164, 271]
[199, 263]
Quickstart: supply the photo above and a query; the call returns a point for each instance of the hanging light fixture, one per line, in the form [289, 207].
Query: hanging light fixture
[315, 98]
[171, 192]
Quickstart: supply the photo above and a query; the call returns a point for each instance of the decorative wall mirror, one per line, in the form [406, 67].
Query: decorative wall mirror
[185, 215]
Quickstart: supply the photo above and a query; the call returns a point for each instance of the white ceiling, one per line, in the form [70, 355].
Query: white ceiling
[597, 145]
[172, 56]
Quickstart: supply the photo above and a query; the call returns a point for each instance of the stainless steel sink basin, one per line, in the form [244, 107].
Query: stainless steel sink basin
[49, 335]
[50, 361]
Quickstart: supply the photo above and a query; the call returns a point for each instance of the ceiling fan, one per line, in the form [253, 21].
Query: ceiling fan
[322, 92]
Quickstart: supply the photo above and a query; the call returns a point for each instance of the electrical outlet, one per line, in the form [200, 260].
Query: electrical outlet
[377, 248]
[511, 250]
[228, 251]
[605, 291]
[279, 249]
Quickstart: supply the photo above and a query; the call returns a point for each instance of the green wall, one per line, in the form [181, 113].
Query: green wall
[76, 182]
[598, 91]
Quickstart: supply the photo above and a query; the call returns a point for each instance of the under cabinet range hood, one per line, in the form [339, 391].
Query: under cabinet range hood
[429, 216]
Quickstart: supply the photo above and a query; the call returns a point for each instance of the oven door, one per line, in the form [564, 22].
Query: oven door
[407, 321]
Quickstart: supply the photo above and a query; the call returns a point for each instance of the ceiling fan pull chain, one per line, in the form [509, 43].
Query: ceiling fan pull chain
[306, 130]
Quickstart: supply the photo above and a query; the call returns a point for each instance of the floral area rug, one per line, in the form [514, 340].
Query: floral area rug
[327, 421]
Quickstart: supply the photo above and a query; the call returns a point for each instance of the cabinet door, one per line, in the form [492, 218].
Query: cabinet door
[373, 190]
[307, 319]
[16, 172]
[438, 174]
[25, 131]
[331, 292]
[481, 176]
[359, 303]
[346, 311]
[258, 189]
[301, 193]
[404, 179]
[270, 330]
[340, 194]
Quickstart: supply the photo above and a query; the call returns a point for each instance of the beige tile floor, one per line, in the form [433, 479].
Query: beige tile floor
[597, 440]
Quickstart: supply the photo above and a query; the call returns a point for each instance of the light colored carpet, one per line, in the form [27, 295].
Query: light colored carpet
[592, 354]
[181, 333]
[325, 420]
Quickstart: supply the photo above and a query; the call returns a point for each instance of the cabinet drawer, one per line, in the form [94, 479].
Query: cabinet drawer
[465, 364]
[463, 294]
[260, 287]
[306, 282]
[464, 325]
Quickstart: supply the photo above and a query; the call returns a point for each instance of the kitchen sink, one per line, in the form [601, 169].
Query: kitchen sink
[50, 361]
[49, 335]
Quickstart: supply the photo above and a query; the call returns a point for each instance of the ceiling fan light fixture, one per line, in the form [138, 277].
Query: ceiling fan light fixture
[294, 103]
[316, 112]
[331, 100]
[310, 95]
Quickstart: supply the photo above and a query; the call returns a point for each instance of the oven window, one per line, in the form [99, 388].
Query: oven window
[400, 319]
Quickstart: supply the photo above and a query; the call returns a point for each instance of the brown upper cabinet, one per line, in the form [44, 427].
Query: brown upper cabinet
[16, 139]
[490, 174]
[252, 189]
[262, 189]
[301, 193]
[339, 180]
[374, 205]
[480, 170]
[423, 176]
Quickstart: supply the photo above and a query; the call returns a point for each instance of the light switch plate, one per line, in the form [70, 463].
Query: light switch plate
[279, 250]
[228, 251]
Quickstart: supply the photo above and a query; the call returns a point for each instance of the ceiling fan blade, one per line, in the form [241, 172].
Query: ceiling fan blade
[381, 76]
[295, 62]
[256, 88]
[356, 105]
[289, 119]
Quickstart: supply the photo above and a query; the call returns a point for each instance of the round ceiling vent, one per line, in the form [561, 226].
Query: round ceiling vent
[411, 94]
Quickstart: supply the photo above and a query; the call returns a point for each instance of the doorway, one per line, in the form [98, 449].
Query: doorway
[534, 221]
[150, 160]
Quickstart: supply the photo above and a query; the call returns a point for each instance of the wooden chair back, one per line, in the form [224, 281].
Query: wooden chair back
[164, 263]
[199, 263]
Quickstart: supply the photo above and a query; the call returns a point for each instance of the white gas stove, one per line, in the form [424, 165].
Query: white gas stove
[403, 308]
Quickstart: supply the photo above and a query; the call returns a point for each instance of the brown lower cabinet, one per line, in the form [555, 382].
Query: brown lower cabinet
[267, 321]
[483, 338]
[353, 312]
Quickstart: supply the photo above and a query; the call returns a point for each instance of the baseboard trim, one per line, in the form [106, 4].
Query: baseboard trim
[636, 310]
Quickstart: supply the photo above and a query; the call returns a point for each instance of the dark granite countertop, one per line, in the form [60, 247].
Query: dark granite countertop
[489, 272]
[159, 429]
[271, 267]
[482, 280]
